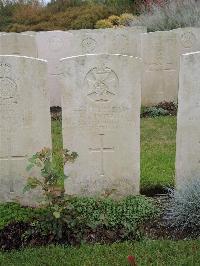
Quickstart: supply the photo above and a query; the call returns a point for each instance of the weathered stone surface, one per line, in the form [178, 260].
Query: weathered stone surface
[188, 129]
[52, 46]
[24, 122]
[101, 121]
[113, 41]
[188, 39]
[160, 67]
[18, 44]
[29, 32]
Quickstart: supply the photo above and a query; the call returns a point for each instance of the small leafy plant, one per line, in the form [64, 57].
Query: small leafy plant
[51, 176]
[53, 192]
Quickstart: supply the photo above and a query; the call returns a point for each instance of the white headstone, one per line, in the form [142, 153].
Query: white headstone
[18, 44]
[25, 126]
[101, 97]
[52, 46]
[188, 39]
[160, 67]
[188, 124]
[113, 41]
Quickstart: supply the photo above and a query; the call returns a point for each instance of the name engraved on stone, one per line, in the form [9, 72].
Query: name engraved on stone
[107, 120]
[102, 149]
[102, 84]
[88, 45]
[100, 117]
[188, 39]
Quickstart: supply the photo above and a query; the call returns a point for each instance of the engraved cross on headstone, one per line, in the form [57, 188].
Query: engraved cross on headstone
[102, 150]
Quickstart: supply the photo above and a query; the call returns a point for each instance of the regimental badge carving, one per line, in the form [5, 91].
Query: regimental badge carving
[102, 84]
[8, 87]
[88, 45]
[55, 43]
[188, 39]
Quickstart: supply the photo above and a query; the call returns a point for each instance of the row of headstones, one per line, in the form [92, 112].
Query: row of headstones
[54, 45]
[160, 52]
[101, 101]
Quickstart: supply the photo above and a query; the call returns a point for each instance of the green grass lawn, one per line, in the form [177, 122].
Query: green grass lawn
[156, 253]
[158, 147]
[158, 139]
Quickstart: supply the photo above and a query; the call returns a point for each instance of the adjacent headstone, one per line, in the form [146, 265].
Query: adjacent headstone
[18, 44]
[113, 41]
[160, 67]
[188, 129]
[101, 97]
[52, 46]
[188, 39]
[29, 32]
[24, 122]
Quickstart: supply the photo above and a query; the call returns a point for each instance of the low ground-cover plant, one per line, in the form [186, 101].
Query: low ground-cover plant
[153, 111]
[126, 214]
[183, 213]
[85, 219]
[71, 220]
[73, 213]
[161, 109]
[13, 212]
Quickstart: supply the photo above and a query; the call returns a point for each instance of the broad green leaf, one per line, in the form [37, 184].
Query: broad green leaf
[56, 215]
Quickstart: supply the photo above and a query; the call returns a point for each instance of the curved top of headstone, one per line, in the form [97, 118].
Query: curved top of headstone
[18, 44]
